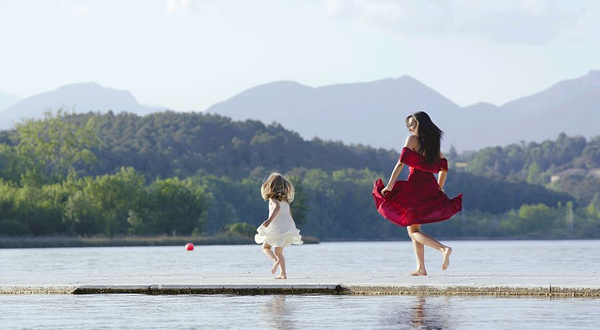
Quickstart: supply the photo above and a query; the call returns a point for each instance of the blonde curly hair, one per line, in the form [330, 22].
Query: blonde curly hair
[276, 186]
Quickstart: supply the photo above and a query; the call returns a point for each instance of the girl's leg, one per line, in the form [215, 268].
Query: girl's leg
[414, 231]
[281, 262]
[266, 248]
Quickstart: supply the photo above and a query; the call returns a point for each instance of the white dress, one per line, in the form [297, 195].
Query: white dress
[282, 231]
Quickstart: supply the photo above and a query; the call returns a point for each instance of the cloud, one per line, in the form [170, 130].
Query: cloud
[74, 9]
[406, 16]
[531, 22]
[80, 10]
[205, 7]
[64, 6]
[177, 6]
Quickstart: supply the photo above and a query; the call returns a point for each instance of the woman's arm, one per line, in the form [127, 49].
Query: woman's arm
[272, 216]
[411, 142]
[397, 169]
[442, 175]
[442, 179]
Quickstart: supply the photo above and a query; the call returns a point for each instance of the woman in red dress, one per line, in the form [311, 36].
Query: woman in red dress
[420, 199]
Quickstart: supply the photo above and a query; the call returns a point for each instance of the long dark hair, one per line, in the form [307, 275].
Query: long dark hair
[430, 136]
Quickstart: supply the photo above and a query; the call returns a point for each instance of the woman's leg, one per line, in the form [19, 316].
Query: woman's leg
[281, 262]
[414, 231]
[419, 253]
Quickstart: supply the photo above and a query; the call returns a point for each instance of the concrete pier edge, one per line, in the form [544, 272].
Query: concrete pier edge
[326, 289]
[212, 289]
[423, 290]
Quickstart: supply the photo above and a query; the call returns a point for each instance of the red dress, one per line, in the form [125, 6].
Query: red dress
[418, 200]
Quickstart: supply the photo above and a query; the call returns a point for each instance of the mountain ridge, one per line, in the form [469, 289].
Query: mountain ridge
[373, 112]
[369, 113]
[78, 98]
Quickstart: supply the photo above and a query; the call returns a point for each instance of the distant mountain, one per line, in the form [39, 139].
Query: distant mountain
[78, 98]
[373, 113]
[7, 99]
[367, 113]
[482, 106]
[570, 106]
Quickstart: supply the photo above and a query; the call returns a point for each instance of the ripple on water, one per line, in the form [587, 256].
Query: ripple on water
[295, 312]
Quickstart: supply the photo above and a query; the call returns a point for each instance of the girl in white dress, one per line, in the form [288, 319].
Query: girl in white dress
[279, 230]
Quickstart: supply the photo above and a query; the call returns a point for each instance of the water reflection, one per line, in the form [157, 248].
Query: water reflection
[429, 313]
[277, 313]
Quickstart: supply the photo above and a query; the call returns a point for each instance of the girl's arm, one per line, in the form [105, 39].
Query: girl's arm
[272, 216]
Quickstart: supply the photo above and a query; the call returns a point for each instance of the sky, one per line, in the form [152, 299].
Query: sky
[189, 54]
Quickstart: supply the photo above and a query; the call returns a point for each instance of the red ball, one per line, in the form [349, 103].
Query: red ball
[189, 246]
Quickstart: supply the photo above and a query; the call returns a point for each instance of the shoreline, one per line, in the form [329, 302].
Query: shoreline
[65, 242]
[465, 239]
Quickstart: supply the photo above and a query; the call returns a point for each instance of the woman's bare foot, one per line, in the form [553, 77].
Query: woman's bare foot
[275, 265]
[446, 252]
[418, 272]
[281, 277]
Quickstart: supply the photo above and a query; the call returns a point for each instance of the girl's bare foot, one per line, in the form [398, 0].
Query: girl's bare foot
[418, 272]
[281, 277]
[446, 252]
[275, 265]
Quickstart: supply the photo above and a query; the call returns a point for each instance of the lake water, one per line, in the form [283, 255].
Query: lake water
[294, 312]
[299, 312]
[468, 256]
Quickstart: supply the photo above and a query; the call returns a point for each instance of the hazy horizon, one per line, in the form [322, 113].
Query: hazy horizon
[189, 54]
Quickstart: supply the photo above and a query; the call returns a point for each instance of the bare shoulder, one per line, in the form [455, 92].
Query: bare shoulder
[411, 142]
[274, 201]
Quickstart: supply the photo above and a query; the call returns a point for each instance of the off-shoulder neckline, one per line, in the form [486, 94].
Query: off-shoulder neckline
[407, 148]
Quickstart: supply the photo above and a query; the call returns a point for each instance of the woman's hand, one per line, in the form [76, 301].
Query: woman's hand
[385, 190]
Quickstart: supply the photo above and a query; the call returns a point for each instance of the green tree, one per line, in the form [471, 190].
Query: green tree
[83, 215]
[104, 203]
[10, 168]
[176, 206]
[136, 223]
[243, 229]
[300, 204]
[537, 218]
[534, 175]
[593, 208]
[52, 147]
[452, 155]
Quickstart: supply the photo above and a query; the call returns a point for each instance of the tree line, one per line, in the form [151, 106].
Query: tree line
[192, 174]
[568, 164]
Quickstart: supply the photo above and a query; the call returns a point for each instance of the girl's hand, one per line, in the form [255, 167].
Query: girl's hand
[266, 223]
[385, 190]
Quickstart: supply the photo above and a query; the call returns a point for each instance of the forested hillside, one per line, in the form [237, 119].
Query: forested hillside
[192, 173]
[569, 164]
[184, 144]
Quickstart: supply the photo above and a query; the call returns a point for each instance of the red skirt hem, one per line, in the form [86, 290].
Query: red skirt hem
[398, 208]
